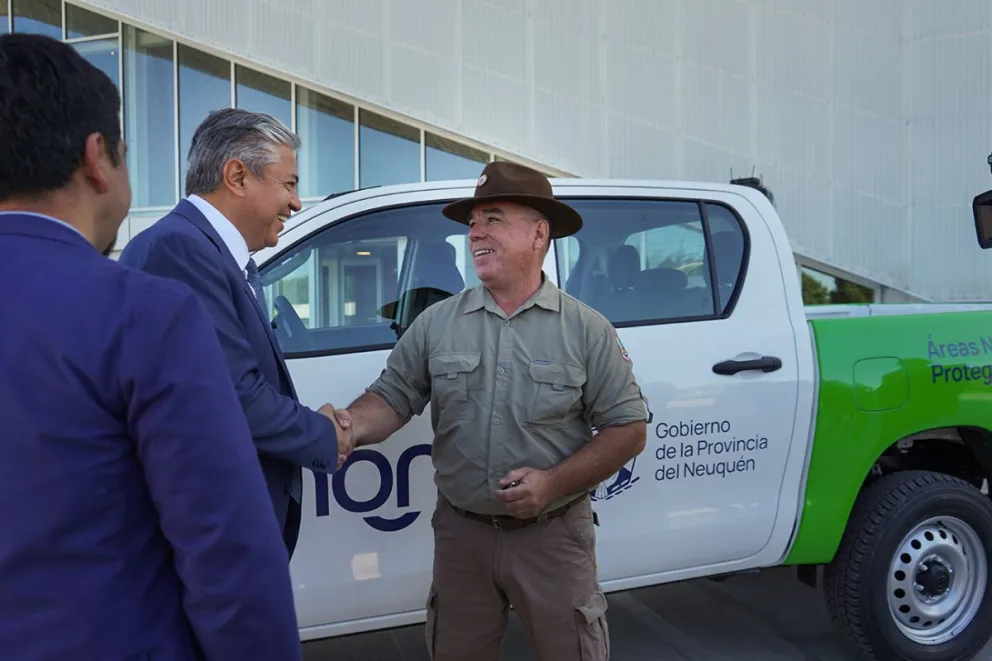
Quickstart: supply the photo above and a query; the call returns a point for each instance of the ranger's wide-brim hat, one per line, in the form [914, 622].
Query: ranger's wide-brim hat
[511, 182]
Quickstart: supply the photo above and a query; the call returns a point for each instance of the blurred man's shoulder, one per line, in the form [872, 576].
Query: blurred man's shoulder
[149, 296]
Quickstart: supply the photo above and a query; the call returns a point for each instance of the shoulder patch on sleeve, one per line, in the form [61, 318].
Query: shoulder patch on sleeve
[623, 349]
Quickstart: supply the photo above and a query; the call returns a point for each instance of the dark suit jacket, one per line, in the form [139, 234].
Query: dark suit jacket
[134, 519]
[184, 246]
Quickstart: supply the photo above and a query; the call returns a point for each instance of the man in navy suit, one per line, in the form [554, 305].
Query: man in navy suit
[241, 185]
[134, 519]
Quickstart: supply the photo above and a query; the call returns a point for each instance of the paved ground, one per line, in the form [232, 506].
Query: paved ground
[755, 617]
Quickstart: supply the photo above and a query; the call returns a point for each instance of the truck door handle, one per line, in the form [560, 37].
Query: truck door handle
[765, 364]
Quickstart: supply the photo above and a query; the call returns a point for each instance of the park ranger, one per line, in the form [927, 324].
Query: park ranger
[518, 374]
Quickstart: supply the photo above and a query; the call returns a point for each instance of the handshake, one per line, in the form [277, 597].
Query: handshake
[342, 425]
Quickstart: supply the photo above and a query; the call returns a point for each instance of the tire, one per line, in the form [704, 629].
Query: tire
[870, 579]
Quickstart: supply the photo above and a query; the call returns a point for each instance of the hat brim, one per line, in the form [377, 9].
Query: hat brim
[564, 220]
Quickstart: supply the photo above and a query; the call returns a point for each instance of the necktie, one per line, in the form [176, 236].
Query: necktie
[255, 280]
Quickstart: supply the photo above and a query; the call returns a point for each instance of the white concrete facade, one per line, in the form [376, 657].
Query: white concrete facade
[867, 120]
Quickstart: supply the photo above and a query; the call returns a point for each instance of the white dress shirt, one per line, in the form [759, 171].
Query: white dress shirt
[229, 234]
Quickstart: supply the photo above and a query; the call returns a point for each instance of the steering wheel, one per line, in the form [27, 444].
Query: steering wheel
[289, 327]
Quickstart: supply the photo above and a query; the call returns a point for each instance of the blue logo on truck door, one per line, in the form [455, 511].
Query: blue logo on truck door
[386, 483]
[622, 480]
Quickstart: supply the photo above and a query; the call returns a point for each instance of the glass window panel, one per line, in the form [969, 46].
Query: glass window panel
[824, 289]
[648, 260]
[204, 86]
[104, 54]
[389, 151]
[448, 159]
[4, 17]
[326, 128]
[38, 17]
[259, 92]
[149, 118]
[341, 290]
[727, 248]
[82, 23]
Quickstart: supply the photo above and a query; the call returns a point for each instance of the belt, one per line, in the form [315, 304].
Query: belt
[512, 522]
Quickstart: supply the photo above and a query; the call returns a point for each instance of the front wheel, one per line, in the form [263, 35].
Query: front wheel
[910, 581]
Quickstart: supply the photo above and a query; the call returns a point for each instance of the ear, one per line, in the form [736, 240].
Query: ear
[543, 229]
[96, 163]
[234, 175]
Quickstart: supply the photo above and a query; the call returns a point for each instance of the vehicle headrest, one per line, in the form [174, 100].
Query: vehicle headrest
[436, 268]
[623, 266]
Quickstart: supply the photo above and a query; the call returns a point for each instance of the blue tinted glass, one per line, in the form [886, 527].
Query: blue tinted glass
[204, 85]
[389, 152]
[148, 118]
[447, 159]
[326, 128]
[259, 92]
[104, 55]
[656, 259]
[373, 276]
[4, 21]
[38, 17]
[82, 23]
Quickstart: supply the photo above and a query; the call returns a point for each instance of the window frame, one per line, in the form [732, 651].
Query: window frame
[307, 237]
[313, 226]
[702, 204]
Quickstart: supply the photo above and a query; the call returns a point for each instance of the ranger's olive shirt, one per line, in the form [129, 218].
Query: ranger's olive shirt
[509, 392]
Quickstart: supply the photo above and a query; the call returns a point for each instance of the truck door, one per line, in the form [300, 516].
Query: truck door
[698, 299]
[339, 295]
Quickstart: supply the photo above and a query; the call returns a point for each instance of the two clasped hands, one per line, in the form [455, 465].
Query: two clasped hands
[342, 425]
[531, 489]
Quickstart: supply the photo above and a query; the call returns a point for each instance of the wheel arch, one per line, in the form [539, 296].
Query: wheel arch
[963, 451]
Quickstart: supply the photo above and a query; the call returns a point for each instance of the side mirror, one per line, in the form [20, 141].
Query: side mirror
[982, 209]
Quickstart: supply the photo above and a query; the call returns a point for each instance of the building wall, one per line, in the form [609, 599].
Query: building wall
[949, 64]
[872, 156]
[167, 88]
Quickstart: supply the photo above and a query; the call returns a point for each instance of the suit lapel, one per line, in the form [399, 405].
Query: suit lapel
[188, 210]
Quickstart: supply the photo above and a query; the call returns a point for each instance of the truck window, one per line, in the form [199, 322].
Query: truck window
[642, 261]
[357, 284]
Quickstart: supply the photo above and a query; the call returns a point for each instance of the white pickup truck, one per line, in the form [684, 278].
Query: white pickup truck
[853, 438]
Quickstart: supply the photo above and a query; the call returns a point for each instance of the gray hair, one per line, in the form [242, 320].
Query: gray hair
[251, 137]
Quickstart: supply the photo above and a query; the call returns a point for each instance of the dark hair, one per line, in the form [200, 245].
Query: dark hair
[51, 100]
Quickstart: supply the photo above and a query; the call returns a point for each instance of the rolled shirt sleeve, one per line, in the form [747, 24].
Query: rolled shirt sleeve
[612, 395]
[405, 382]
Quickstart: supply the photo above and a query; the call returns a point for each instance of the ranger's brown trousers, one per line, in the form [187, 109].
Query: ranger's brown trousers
[546, 570]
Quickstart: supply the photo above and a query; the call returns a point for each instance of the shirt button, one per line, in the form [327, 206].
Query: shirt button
[496, 422]
[500, 370]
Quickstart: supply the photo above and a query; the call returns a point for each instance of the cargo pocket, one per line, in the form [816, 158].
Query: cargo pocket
[578, 523]
[453, 376]
[430, 626]
[557, 390]
[594, 633]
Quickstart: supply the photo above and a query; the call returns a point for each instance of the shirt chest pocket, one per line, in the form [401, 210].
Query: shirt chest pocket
[453, 377]
[556, 392]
